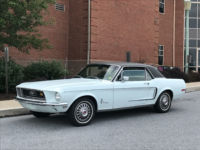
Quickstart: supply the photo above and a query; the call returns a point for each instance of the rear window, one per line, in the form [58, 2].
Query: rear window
[155, 72]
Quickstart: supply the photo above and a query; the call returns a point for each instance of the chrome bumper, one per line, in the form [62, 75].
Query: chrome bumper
[34, 102]
[41, 106]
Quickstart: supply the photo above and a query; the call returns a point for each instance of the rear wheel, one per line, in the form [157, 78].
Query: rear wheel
[82, 112]
[163, 103]
[39, 114]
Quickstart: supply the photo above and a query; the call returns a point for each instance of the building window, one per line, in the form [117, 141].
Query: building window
[194, 36]
[128, 56]
[60, 7]
[162, 6]
[161, 55]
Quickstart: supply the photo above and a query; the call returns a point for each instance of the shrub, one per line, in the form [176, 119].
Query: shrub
[15, 75]
[178, 74]
[175, 73]
[194, 76]
[44, 70]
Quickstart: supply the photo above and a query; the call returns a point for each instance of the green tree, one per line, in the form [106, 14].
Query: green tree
[19, 20]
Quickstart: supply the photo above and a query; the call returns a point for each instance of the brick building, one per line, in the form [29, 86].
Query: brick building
[150, 31]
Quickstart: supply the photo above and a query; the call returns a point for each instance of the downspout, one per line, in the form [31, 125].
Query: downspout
[67, 37]
[187, 4]
[89, 32]
[174, 36]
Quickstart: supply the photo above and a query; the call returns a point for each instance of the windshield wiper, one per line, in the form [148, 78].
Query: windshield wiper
[92, 77]
[89, 77]
[77, 76]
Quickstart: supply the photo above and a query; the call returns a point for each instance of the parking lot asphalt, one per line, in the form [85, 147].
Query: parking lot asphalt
[135, 129]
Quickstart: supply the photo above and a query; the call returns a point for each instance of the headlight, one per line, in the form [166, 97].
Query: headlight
[57, 96]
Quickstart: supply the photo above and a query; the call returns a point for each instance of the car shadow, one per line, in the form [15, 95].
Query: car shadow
[123, 114]
[62, 120]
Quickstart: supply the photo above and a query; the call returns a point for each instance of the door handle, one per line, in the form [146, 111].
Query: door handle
[147, 83]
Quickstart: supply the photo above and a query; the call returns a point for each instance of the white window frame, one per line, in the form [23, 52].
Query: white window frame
[141, 68]
[162, 3]
[196, 38]
[161, 55]
[59, 5]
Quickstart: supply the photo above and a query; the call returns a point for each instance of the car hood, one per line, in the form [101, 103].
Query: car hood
[64, 84]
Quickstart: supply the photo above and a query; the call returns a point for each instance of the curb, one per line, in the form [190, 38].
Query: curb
[13, 112]
[193, 89]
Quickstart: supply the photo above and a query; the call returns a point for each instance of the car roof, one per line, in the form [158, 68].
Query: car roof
[122, 64]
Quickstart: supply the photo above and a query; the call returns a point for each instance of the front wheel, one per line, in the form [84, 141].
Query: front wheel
[163, 103]
[82, 112]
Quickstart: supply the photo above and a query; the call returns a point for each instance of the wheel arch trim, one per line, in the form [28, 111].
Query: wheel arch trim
[166, 90]
[86, 95]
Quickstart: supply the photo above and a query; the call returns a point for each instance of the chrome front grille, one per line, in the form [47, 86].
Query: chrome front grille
[31, 94]
[19, 93]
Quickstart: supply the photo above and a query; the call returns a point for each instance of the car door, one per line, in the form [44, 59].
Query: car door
[133, 87]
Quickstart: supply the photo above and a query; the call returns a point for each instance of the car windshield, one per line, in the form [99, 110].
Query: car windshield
[96, 71]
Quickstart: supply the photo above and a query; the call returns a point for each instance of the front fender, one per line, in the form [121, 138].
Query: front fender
[84, 95]
[71, 97]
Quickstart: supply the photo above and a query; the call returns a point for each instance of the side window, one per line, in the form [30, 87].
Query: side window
[148, 76]
[134, 74]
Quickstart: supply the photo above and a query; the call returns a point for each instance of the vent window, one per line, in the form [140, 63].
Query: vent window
[60, 7]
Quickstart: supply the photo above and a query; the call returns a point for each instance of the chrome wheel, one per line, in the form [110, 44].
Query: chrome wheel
[83, 112]
[165, 101]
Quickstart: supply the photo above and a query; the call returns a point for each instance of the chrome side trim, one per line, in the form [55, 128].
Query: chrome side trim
[155, 93]
[41, 104]
[154, 96]
[124, 108]
[133, 88]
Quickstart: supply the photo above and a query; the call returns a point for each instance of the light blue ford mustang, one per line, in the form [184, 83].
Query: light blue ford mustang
[101, 87]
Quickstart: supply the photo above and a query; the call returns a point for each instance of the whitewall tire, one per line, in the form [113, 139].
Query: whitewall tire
[82, 112]
[163, 103]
